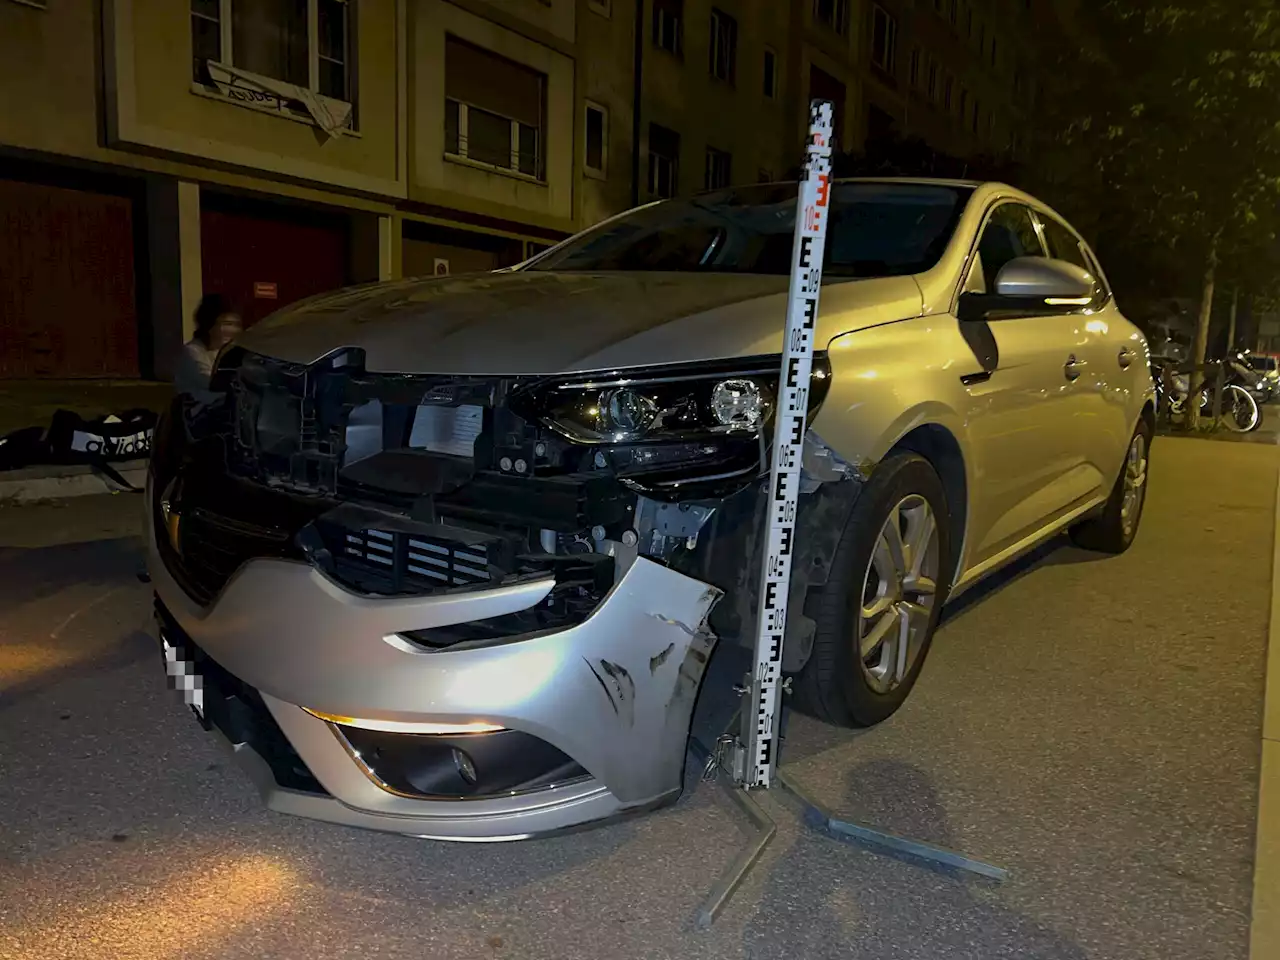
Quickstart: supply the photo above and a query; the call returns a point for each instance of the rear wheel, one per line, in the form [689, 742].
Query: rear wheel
[876, 615]
[1113, 530]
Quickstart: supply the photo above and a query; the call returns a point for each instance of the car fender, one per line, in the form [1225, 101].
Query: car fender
[891, 380]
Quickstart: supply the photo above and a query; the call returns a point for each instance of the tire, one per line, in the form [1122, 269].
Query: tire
[1244, 415]
[838, 685]
[1113, 530]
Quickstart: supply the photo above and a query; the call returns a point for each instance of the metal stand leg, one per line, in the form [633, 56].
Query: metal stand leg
[764, 830]
[816, 815]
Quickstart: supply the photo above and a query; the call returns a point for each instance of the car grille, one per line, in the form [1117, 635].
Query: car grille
[213, 547]
[409, 561]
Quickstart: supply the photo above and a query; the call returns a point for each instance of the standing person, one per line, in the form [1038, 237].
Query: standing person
[216, 324]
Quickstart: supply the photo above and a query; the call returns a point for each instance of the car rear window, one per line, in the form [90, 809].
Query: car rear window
[875, 230]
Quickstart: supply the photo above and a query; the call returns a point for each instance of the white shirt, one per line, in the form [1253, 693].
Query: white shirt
[193, 369]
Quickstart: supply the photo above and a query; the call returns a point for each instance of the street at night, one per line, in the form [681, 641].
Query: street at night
[657, 479]
[1090, 724]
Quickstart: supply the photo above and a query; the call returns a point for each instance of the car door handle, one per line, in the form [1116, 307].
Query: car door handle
[1073, 368]
[1125, 358]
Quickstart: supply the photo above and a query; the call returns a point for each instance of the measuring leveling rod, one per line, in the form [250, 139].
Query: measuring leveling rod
[760, 721]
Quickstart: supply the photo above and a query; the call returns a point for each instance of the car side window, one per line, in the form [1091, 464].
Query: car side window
[1063, 244]
[1010, 233]
[1101, 292]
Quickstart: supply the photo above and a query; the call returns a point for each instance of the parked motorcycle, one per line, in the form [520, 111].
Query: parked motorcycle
[1267, 374]
[1240, 409]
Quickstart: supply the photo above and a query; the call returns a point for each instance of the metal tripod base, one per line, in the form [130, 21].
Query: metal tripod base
[816, 815]
[764, 829]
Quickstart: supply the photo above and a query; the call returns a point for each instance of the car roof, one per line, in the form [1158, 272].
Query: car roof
[906, 181]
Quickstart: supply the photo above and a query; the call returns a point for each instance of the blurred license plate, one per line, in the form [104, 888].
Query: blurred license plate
[184, 676]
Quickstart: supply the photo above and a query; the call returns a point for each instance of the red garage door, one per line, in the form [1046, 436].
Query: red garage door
[262, 261]
[67, 305]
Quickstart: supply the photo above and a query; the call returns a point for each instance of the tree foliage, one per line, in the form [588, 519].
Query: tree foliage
[1162, 138]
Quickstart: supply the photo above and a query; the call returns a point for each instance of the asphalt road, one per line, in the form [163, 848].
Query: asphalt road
[1090, 724]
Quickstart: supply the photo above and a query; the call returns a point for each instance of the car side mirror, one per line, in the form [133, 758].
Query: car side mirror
[1044, 280]
[1030, 286]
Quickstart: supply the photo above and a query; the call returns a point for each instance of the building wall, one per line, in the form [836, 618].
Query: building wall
[104, 88]
[437, 180]
[962, 51]
[605, 78]
[152, 102]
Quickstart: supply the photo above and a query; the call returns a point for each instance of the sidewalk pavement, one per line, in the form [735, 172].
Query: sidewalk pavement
[1265, 927]
[27, 403]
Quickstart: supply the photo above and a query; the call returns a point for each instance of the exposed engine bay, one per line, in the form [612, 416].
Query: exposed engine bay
[395, 484]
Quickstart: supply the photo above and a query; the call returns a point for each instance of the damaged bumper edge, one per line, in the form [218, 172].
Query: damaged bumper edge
[614, 693]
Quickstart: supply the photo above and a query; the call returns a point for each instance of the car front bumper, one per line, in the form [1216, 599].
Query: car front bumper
[614, 693]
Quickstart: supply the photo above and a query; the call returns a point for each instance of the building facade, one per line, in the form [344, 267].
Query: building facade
[152, 151]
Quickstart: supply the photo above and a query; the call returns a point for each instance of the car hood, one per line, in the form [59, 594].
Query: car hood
[535, 322]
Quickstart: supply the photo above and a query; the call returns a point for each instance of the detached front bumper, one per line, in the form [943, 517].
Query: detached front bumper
[613, 694]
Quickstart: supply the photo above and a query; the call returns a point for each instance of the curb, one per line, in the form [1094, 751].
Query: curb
[56, 482]
[1264, 927]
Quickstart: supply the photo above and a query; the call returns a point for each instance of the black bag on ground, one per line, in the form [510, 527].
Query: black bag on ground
[23, 448]
[126, 436]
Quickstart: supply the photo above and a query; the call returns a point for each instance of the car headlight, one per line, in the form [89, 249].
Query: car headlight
[666, 405]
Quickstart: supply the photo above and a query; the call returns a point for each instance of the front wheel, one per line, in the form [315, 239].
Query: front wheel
[887, 582]
[1240, 411]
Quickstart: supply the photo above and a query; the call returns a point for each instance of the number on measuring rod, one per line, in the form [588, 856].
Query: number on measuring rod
[812, 209]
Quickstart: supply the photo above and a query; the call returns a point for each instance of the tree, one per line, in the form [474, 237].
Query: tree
[1167, 131]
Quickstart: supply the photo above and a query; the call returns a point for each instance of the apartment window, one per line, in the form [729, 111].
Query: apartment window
[494, 110]
[884, 39]
[664, 161]
[832, 14]
[274, 39]
[596, 139]
[931, 80]
[206, 36]
[823, 86]
[770, 73]
[717, 174]
[602, 7]
[724, 46]
[668, 25]
[913, 71]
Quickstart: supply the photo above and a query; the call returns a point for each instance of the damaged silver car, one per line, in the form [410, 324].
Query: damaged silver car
[448, 557]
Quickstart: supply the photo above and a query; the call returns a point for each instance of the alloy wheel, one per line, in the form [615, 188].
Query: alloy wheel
[898, 594]
[1135, 485]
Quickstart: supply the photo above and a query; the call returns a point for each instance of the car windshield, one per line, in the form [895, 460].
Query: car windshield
[875, 230]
